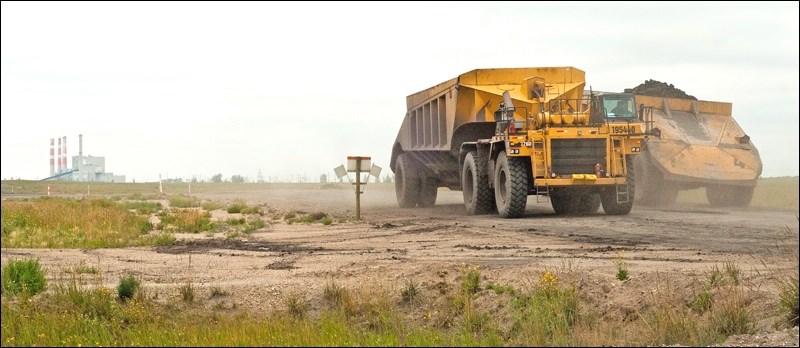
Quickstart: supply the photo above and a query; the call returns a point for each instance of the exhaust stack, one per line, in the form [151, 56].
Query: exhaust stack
[52, 157]
[59, 156]
[65, 154]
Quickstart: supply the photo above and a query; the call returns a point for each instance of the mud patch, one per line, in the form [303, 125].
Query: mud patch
[485, 247]
[282, 265]
[191, 246]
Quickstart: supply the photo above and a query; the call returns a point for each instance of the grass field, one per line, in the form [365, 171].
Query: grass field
[773, 193]
[76, 310]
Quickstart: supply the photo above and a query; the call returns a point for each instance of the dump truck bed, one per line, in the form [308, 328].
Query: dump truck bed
[699, 142]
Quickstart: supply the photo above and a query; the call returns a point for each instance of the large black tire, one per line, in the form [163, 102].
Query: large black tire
[475, 186]
[651, 188]
[563, 202]
[407, 182]
[729, 195]
[510, 186]
[570, 201]
[609, 195]
[589, 203]
[428, 192]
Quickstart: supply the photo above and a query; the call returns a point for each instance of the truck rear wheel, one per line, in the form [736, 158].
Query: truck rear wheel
[510, 186]
[589, 203]
[407, 182]
[475, 186]
[570, 201]
[428, 192]
[563, 202]
[609, 196]
[729, 195]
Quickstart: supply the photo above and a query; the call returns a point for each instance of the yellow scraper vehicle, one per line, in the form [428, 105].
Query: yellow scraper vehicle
[693, 144]
[500, 135]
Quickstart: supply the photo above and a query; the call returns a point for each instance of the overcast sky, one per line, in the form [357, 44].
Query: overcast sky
[188, 89]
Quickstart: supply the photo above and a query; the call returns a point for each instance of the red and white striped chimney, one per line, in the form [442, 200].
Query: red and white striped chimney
[52, 157]
[59, 155]
[66, 165]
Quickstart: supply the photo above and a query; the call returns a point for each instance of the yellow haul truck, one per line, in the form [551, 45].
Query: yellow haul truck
[693, 144]
[500, 135]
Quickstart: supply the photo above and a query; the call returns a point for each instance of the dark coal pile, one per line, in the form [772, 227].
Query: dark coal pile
[655, 88]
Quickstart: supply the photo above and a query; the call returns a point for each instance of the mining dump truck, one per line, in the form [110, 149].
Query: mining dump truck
[692, 144]
[500, 135]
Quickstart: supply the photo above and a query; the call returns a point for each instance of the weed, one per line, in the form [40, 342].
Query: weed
[732, 317]
[127, 287]
[182, 201]
[254, 224]
[500, 289]
[337, 295]
[296, 305]
[217, 292]
[702, 302]
[143, 207]
[237, 206]
[470, 284]
[622, 267]
[161, 239]
[409, 292]
[186, 220]
[732, 270]
[211, 205]
[318, 215]
[23, 277]
[714, 276]
[187, 292]
[83, 269]
[326, 221]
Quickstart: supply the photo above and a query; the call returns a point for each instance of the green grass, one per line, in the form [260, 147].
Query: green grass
[183, 201]
[23, 277]
[143, 207]
[70, 223]
[185, 220]
[546, 312]
[128, 285]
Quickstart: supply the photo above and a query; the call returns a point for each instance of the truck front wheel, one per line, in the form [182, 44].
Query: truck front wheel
[611, 198]
[510, 186]
[407, 182]
[475, 186]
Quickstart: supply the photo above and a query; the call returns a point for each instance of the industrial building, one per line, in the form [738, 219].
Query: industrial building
[84, 168]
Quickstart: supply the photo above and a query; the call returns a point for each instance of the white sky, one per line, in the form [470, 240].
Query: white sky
[187, 89]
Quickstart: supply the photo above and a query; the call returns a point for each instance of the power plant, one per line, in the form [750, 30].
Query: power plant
[84, 168]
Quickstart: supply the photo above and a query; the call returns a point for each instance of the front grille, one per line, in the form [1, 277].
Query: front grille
[577, 156]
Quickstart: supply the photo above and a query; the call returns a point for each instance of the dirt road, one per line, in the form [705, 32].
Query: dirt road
[661, 248]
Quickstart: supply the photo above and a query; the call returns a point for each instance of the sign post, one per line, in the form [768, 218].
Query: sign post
[358, 164]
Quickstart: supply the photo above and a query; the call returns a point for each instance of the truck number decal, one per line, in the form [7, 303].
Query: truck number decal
[623, 129]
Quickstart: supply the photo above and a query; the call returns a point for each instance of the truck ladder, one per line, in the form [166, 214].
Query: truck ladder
[621, 190]
[542, 191]
[538, 160]
[622, 193]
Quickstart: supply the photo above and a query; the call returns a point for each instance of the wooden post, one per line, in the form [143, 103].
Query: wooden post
[358, 188]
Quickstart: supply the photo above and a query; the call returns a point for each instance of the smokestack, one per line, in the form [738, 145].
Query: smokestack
[66, 165]
[59, 155]
[52, 157]
[80, 147]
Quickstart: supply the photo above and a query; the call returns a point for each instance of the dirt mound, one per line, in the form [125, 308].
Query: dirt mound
[655, 88]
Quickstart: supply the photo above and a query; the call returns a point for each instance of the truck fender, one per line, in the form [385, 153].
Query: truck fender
[493, 150]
